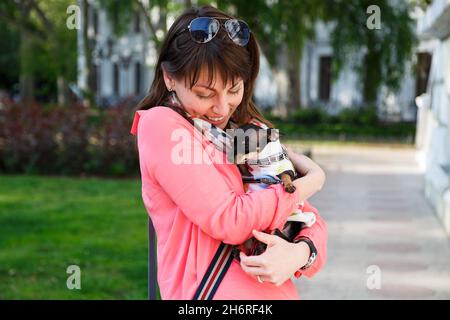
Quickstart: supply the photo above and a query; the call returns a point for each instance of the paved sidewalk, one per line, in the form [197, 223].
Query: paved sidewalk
[377, 216]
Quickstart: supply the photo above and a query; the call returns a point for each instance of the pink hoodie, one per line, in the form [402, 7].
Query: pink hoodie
[195, 206]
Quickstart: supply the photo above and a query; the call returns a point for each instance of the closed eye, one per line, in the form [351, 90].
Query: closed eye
[236, 91]
[233, 92]
[205, 97]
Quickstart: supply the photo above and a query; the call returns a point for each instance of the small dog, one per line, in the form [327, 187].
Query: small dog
[260, 155]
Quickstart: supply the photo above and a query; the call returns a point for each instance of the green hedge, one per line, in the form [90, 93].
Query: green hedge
[74, 140]
[37, 139]
[349, 124]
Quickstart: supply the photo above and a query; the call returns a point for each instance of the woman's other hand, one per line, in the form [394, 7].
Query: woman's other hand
[313, 177]
[279, 262]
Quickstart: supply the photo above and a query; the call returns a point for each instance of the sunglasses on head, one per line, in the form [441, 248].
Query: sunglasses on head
[204, 29]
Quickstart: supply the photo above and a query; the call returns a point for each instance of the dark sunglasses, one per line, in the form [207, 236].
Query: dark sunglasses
[204, 29]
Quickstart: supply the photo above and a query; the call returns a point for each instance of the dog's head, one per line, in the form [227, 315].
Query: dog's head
[249, 140]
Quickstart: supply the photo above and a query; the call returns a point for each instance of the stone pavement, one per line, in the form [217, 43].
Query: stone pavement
[381, 228]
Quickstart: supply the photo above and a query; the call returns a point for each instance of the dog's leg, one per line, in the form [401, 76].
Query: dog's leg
[244, 170]
[287, 182]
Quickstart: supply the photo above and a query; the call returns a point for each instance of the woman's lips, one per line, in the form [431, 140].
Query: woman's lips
[215, 120]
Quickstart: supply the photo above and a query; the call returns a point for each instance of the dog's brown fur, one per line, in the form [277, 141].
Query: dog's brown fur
[291, 229]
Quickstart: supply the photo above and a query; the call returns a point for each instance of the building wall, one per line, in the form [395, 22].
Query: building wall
[345, 92]
[125, 52]
[434, 121]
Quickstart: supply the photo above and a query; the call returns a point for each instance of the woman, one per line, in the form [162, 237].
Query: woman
[207, 70]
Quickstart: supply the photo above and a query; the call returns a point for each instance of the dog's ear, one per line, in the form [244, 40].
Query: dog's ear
[272, 135]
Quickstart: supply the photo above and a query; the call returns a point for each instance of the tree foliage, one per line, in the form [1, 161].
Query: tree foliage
[385, 50]
[45, 48]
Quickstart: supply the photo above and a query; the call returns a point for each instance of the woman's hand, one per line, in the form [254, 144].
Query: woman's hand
[313, 177]
[280, 260]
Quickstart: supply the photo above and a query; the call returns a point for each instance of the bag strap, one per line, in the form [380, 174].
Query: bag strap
[215, 273]
[222, 259]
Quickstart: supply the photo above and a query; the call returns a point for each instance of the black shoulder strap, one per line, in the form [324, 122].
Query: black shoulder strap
[152, 281]
[215, 273]
[221, 260]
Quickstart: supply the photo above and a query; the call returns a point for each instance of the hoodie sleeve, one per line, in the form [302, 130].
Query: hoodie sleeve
[165, 142]
[318, 234]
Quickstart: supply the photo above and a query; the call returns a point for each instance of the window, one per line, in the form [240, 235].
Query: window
[93, 78]
[137, 78]
[325, 78]
[116, 78]
[423, 71]
[95, 18]
[137, 23]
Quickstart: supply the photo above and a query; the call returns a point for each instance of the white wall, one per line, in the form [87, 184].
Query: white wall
[435, 140]
[346, 90]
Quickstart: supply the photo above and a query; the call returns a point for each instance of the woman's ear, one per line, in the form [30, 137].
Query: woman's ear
[168, 79]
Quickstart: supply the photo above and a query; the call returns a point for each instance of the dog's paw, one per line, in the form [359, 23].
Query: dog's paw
[289, 188]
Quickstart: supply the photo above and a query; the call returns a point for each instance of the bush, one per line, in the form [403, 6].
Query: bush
[27, 140]
[71, 140]
[310, 116]
[369, 116]
[358, 116]
[349, 124]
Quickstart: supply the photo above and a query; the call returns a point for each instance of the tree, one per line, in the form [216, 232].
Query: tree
[47, 49]
[282, 27]
[9, 62]
[157, 29]
[386, 49]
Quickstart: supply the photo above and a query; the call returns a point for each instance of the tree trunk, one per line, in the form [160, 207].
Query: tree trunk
[26, 77]
[281, 76]
[87, 52]
[26, 88]
[61, 84]
[371, 75]
[294, 56]
[163, 17]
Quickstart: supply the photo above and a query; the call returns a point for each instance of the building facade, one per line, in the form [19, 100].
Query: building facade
[433, 123]
[124, 67]
[121, 66]
[319, 89]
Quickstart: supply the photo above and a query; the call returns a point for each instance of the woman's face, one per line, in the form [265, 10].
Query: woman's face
[215, 103]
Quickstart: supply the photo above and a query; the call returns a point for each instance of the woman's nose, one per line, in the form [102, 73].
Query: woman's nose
[222, 107]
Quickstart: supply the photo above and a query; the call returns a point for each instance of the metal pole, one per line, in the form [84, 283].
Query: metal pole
[152, 283]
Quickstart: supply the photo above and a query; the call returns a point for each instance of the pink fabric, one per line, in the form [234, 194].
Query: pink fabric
[196, 206]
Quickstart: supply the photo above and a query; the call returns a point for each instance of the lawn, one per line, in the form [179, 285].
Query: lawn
[50, 223]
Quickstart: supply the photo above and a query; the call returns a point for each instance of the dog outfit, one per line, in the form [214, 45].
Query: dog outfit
[273, 160]
[274, 153]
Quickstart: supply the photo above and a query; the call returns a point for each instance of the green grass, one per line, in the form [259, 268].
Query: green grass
[49, 223]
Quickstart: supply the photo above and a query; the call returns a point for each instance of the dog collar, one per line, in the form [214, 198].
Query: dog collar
[268, 160]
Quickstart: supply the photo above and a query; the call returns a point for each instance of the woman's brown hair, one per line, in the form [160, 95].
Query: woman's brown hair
[183, 58]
